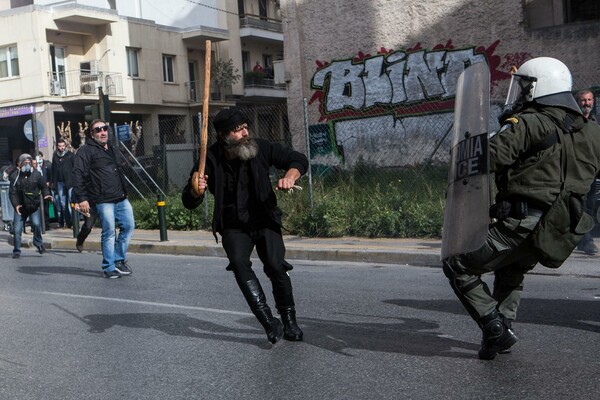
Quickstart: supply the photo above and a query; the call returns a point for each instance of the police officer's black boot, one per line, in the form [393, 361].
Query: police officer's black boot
[291, 330]
[497, 336]
[255, 297]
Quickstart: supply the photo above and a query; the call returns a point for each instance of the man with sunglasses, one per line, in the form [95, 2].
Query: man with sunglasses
[246, 214]
[99, 182]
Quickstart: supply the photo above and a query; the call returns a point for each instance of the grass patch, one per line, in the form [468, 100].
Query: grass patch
[372, 203]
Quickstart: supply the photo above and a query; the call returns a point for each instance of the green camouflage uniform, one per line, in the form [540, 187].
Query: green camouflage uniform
[536, 180]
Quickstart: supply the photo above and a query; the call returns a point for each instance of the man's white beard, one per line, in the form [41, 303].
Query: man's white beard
[244, 149]
[586, 110]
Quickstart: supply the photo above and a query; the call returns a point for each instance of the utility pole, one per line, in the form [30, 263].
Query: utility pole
[36, 145]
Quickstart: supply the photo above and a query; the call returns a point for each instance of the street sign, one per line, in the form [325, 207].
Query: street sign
[123, 133]
[28, 131]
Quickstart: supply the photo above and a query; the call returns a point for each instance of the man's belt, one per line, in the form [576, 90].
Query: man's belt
[518, 209]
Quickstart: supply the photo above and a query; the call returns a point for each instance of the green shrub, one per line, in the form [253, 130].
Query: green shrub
[369, 203]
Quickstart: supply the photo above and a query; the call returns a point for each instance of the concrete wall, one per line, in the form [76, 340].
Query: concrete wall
[381, 69]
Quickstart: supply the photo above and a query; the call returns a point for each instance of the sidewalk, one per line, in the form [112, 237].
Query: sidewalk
[424, 252]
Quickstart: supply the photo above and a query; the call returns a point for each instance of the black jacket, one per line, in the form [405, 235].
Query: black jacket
[97, 174]
[25, 190]
[269, 154]
[62, 166]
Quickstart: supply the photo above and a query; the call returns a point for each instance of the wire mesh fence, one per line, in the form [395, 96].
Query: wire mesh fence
[406, 146]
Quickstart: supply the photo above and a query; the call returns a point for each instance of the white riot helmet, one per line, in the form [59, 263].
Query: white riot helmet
[539, 77]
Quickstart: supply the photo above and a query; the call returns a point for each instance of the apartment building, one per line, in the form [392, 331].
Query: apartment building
[147, 56]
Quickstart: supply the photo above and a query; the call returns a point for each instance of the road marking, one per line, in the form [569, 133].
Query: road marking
[149, 303]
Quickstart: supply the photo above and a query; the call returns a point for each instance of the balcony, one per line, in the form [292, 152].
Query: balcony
[85, 83]
[254, 26]
[259, 85]
[195, 91]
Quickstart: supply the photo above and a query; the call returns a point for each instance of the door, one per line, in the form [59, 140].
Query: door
[57, 60]
[194, 84]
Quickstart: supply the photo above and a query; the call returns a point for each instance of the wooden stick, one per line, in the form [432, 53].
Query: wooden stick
[204, 137]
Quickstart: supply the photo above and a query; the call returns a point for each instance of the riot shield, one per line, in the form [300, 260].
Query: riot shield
[468, 196]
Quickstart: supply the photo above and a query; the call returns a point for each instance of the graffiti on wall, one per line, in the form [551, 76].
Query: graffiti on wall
[368, 100]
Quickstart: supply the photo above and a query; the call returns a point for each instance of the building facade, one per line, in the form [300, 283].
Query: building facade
[146, 56]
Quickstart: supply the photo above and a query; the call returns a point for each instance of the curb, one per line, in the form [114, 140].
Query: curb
[325, 251]
[399, 257]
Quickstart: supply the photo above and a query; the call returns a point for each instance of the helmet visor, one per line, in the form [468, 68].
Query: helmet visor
[521, 89]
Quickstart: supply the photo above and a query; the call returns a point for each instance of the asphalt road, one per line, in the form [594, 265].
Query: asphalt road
[179, 329]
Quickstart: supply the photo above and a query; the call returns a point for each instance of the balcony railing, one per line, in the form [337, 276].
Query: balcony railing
[257, 22]
[265, 83]
[85, 82]
[195, 91]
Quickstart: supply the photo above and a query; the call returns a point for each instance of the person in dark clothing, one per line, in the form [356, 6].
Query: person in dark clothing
[246, 214]
[24, 195]
[62, 168]
[585, 99]
[99, 182]
[45, 168]
[89, 220]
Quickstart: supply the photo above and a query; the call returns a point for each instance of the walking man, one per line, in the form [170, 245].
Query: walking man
[246, 214]
[542, 132]
[99, 182]
[62, 168]
[24, 195]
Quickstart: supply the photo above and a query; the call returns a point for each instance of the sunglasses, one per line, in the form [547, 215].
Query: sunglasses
[99, 129]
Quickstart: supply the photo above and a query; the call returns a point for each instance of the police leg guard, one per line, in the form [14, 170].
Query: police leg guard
[461, 290]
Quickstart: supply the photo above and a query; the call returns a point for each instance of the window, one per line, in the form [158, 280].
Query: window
[546, 13]
[9, 62]
[168, 68]
[132, 62]
[581, 10]
[262, 9]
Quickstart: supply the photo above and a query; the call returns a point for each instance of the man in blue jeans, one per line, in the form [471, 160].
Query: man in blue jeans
[24, 192]
[99, 182]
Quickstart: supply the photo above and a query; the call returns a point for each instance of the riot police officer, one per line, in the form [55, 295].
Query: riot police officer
[525, 156]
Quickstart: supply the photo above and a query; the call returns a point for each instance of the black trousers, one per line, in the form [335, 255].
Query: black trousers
[88, 225]
[239, 243]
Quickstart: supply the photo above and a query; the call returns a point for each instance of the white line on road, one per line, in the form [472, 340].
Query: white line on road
[149, 303]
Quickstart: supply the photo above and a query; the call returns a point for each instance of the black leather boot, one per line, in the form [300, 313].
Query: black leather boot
[255, 297]
[291, 330]
[497, 337]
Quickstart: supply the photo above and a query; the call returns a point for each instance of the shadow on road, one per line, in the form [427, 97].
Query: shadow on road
[575, 314]
[409, 337]
[60, 270]
[172, 324]
[412, 336]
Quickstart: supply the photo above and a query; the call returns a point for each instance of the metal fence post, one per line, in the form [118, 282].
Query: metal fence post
[162, 222]
[310, 185]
